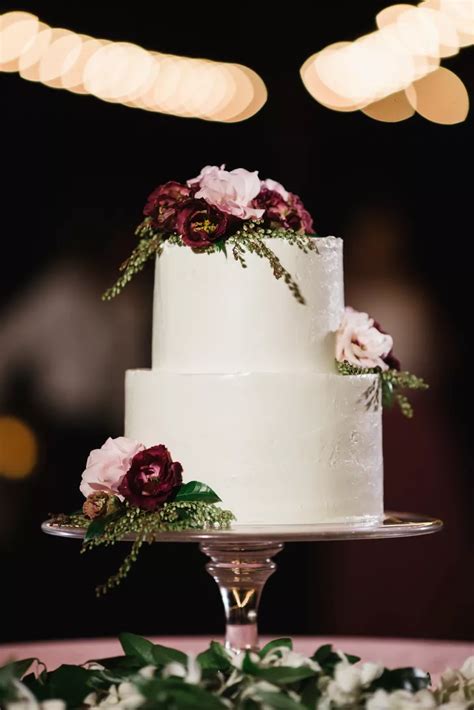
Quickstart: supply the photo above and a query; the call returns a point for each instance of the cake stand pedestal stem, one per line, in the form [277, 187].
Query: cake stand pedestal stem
[240, 571]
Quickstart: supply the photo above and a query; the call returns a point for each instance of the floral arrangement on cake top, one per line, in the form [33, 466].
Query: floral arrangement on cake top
[217, 211]
[153, 676]
[132, 489]
[364, 348]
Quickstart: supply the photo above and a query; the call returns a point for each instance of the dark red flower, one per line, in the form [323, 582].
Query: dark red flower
[275, 206]
[201, 224]
[152, 478]
[298, 217]
[163, 202]
[279, 212]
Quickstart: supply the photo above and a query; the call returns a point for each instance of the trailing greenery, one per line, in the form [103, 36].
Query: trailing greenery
[150, 245]
[195, 510]
[152, 676]
[386, 390]
[247, 240]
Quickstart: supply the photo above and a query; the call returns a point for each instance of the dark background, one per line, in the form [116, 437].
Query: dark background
[75, 174]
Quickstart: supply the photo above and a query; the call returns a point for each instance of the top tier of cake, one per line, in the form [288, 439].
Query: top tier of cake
[212, 316]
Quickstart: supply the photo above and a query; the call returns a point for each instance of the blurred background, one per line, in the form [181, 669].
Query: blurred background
[75, 175]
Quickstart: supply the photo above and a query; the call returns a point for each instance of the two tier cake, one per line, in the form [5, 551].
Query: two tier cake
[244, 389]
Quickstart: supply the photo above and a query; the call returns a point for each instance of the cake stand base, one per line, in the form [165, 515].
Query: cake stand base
[241, 559]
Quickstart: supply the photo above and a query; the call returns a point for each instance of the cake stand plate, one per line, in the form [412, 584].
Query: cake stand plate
[241, 559]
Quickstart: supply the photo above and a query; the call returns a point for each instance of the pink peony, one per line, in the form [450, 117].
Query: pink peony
[360, 343]
[106, 467]
[231, 192]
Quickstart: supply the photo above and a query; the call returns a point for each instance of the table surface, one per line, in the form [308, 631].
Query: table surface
[432, 656]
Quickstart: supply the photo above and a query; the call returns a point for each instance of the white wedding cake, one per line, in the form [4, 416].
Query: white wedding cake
[244, 388]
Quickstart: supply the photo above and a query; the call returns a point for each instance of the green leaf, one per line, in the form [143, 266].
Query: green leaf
[175, 693]
[163, 655]
[70, 683]
[15, 670]
[120, 663]
[310, 692]
[9, 673]
[97, 527]
[328, 659]
[196, 491]
[412, 679]
[148, 653]
[276, 643]
[138, 647]
[214, 658]
[221, 246]
[387, 393]
[279, 701]
[280, 675]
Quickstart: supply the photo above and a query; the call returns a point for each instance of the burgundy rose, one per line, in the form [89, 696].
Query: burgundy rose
[275, 206]
[298, 217]
[201, 224]
[288, 213]
[163, 202]
[152, 479]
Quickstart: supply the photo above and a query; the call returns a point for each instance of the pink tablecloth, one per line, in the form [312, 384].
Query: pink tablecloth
[432, 656]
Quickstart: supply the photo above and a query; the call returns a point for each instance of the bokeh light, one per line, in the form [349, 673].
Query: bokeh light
[391, 109]
[17, 32]
[440, 97]
[372, 72]
[18, 448]
[122, 72]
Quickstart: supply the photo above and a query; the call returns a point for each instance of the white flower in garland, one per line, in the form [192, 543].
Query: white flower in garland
[401, 700]
[190, 674]
[284, 656]
[360, 343]
[125, 696]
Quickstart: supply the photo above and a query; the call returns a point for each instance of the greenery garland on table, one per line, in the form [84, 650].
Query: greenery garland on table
[150, 676]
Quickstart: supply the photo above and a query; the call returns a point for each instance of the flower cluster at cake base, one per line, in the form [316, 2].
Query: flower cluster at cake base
[363, 348]
[133, 490]
[153, 676]
[221, 211]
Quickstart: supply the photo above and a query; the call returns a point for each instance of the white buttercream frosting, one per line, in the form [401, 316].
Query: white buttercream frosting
[279, 448]
[211, 315]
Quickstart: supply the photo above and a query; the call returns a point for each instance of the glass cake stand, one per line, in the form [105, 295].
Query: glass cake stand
[241, 558]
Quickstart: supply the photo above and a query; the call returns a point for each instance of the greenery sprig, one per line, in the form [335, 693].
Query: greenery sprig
[386, 390]
[247, 240]
[173, 516]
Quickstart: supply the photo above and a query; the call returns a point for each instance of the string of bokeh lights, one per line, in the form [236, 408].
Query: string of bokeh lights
[121, 72]
[395, 71]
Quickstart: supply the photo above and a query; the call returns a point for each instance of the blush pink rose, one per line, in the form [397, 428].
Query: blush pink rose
[106, 467]
[360, 343]
[231, 192]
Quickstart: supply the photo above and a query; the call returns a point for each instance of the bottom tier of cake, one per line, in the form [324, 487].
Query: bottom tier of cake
[278, 448]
